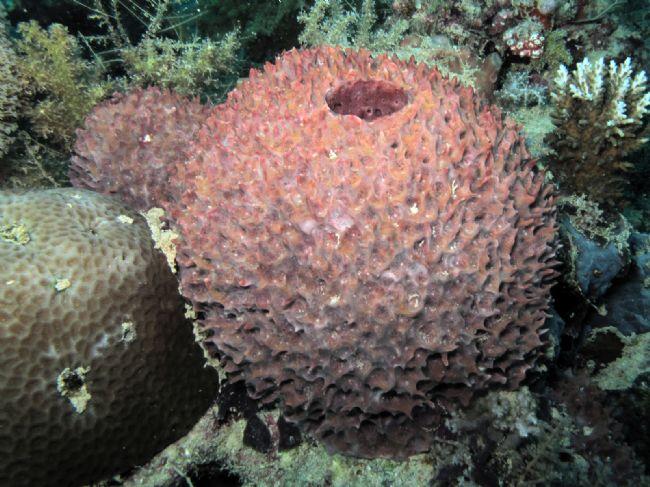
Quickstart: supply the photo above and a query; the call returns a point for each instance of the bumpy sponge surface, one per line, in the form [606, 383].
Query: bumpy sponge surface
[129, 145]
[366, 242]
[98, 367]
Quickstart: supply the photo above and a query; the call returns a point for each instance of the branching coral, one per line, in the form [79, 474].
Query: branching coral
[600, 114]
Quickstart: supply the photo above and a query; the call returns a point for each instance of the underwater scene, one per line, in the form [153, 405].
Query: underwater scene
[348, 243]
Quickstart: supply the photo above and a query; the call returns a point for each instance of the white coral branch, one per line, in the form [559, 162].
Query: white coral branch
[639, 83]
[641, 107]
[626, 99]
[560, 82]
[588, 80]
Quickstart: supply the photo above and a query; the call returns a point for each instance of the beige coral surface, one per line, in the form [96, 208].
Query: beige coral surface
[98, 367]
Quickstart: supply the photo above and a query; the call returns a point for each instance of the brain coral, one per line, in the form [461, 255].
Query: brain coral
[98, 367]
[367, 243]
[133, 141]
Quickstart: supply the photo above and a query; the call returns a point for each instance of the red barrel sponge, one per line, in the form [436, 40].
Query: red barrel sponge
[130, 144]
[368, 243]
[365, 242]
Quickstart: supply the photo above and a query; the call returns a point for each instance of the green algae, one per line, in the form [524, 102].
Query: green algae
[537, 124]
[15, 233]
[312, 465]
[306, 465]
[633, 362]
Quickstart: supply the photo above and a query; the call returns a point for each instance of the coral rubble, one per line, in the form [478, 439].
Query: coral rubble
[504, 438]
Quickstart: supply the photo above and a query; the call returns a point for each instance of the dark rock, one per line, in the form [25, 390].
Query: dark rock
[450, 474]
[234, 402]
[289, 434]
[603, 346]
[257, 435]
[628, 302]
[555, 325]
[595, 264]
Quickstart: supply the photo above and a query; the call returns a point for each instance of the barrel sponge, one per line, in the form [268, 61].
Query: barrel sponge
[364, 242]
[133, 141]
[99, 369]
[367, 243]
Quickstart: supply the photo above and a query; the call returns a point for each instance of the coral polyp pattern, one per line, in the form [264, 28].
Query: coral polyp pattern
[365, 243]
[99, 369]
